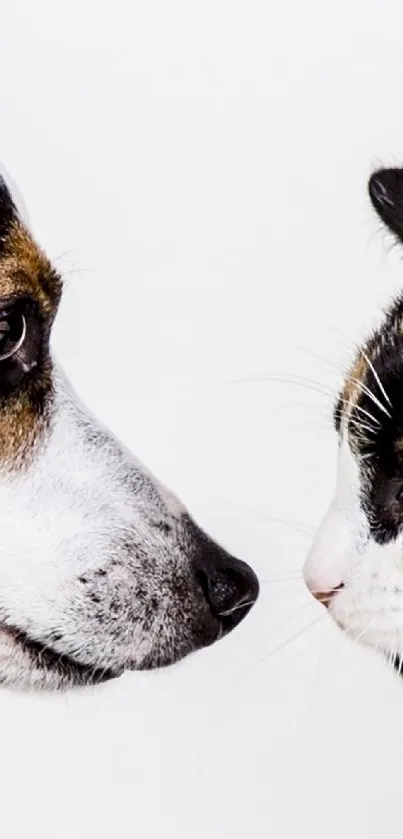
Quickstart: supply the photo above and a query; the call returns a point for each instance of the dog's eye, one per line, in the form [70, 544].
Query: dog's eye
[13, 329]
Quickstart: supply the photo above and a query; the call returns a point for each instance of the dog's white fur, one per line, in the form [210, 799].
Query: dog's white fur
[61, 519]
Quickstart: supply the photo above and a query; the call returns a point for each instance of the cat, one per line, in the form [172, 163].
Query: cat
[355, 565]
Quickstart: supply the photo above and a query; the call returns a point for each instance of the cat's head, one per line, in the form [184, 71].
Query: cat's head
[355, 565]
[102, 569]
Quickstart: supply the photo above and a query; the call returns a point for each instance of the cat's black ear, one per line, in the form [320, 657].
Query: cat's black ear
[385, 189]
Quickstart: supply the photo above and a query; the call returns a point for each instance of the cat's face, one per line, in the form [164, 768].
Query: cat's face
[355, 565]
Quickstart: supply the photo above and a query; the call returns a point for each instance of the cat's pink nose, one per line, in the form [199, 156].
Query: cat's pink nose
[325, 597]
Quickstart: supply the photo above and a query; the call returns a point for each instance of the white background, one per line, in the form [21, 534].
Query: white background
[198, 171]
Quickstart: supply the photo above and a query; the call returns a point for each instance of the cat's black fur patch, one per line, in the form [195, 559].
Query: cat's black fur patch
[376, 421]
[398, 664]
[376, 425]
[385, 189]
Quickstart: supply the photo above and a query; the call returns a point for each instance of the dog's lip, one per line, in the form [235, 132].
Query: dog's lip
[46, 658]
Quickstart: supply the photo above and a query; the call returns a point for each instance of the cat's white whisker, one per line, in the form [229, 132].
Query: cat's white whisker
[364, 411]
[362, 426]
[376, 376]
[309, 384]
[370, 395]
[357, 423]
[289, 640]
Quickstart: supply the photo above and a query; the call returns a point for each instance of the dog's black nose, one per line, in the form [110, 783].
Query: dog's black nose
[230, 587]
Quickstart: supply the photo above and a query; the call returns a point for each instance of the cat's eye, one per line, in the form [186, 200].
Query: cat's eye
[399, 495]
[13, 329]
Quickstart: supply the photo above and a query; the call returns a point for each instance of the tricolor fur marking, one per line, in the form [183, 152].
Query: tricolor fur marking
[357, 555]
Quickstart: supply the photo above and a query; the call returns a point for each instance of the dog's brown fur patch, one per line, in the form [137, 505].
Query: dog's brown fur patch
[25, 269]
[24, 416]
[22, 429]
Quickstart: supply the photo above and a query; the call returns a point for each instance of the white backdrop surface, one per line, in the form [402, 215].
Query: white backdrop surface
[198, 172]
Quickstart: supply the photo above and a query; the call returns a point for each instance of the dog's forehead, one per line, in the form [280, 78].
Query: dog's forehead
[24, 268]
[26, 271]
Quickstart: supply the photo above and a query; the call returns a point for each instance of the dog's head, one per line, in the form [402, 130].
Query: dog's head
[101, 567]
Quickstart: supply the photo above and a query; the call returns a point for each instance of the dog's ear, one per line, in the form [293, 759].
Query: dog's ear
[385, 189]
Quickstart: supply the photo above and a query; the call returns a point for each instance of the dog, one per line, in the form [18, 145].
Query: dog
[102, 568]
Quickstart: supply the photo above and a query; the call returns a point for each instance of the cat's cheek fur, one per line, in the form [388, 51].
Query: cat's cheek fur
[370, 606]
